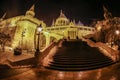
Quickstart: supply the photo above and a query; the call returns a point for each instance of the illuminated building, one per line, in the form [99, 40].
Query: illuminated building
[69, 29]
[24, 28]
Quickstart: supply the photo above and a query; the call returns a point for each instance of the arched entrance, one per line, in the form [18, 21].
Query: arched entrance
[53, 39]
[42, 41]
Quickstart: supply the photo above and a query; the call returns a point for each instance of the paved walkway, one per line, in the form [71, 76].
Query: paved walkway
[10, 56]
[108, 73]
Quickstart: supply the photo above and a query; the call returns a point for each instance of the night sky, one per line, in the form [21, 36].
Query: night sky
[84, 10]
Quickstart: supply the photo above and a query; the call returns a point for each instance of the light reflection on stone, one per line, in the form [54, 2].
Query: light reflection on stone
[80, 74]
[113, 78]
[61, 75]
[49, 57]
[107, 73]
[99, 74]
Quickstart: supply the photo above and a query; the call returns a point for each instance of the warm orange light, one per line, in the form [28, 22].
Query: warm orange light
[117, 32]
[99, 28]
[61, 75]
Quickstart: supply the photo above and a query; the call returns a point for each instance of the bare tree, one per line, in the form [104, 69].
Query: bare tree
[4, 38]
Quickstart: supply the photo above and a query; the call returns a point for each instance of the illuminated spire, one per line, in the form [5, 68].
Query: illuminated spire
[53, 23]
[80, 23]
[62, 15]
[74, 21]
[107, 14]
[32, 8]
[31, 12]
[61, 12]
[3, 17]
[62, 20]
[71, 23]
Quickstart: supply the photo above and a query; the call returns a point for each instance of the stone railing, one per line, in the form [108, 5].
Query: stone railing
[106, 50]
[113, 54]
[46, 52]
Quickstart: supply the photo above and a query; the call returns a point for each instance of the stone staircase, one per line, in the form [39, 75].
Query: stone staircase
[76, 55]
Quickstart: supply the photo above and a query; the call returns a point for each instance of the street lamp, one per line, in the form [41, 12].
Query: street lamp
[39, 29]
[117, 32]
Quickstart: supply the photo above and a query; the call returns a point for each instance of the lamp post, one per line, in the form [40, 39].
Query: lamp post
[37, 52]
[117, 32]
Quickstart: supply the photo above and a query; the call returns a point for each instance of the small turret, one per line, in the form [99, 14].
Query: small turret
[107, 14]
[3, 17]
[71, 23]
[74, 21]
[62, 15]
[31, 12]
[80, 23]
[53, 23]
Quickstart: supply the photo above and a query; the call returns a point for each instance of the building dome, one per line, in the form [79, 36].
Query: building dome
[62, 20]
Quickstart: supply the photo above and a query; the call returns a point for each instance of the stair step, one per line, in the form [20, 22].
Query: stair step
[78, 56]
[81, 63]
[80, 60]
[78, 68]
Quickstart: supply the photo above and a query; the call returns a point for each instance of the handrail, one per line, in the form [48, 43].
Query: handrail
[46, 51]
[113, 54]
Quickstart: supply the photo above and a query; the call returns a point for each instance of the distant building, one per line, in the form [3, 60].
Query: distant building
[69, 29]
